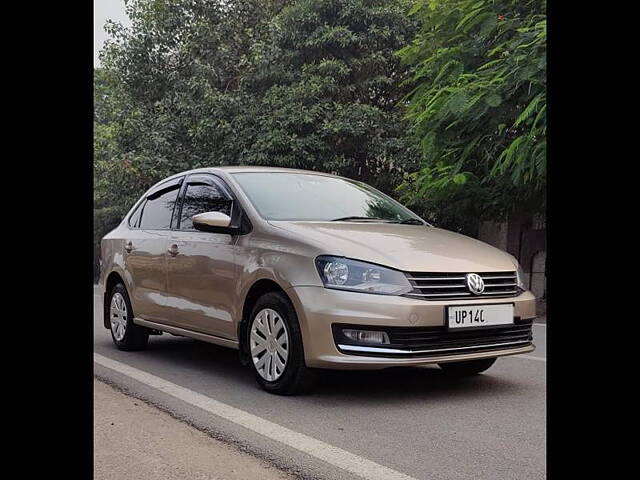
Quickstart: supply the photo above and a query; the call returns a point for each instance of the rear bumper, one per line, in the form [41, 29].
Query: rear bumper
[318, 308]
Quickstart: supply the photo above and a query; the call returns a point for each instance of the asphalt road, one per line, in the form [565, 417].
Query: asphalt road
[417, 422]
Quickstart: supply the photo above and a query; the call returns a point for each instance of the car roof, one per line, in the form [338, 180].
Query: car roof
[246, 168]
[240, 169]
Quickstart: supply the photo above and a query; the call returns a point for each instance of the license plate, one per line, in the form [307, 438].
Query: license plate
[477, 316]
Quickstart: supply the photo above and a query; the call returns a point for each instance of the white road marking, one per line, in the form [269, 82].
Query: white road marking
[316, 448]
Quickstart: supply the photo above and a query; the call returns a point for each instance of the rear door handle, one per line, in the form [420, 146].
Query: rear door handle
[129, 246]
[173, 250]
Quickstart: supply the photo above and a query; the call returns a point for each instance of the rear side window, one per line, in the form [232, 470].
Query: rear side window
[135, 216]
[200, 198]
[158, 209]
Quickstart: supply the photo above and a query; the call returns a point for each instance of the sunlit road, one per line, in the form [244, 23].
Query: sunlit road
[416, 422]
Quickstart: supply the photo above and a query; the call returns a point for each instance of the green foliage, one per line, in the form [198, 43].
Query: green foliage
[181, 70]
[478, 107]
[332, 90]
[108, 207]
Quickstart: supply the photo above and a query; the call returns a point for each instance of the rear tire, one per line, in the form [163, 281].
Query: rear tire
[469, 367]
[273, 340]
[126, 335]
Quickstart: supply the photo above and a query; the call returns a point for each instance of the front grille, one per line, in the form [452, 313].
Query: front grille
[436, 341]
[437, 286]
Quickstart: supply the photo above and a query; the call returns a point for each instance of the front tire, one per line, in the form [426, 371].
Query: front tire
[126, 335]
[276, 353]
[469, 367]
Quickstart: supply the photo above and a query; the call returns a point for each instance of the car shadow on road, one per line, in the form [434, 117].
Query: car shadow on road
[424, 383]
[199, 357]
[368, 386]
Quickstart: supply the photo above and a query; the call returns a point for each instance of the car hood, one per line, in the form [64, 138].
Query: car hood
[415, 248]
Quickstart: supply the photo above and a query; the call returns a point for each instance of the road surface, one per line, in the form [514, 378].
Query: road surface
[400, 423]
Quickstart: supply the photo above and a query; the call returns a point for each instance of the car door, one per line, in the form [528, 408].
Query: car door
[146, 251]
[200, 265]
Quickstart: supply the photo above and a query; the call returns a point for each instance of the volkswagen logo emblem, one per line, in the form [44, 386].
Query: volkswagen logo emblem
[475, 284]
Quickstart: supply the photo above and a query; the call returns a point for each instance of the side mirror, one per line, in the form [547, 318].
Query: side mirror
[213, 222]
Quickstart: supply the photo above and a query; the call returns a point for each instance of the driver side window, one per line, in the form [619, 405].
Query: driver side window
[200, 198]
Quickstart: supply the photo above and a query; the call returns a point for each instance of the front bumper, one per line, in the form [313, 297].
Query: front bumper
[318, 308]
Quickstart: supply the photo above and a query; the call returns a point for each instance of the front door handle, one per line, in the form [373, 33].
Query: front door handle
[173, 250]
[129, 246]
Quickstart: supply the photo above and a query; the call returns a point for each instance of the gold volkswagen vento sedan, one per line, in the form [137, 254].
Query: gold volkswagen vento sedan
[302, 271]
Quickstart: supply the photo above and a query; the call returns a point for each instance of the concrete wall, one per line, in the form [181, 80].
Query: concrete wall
[537, 275]
[525, 239]
[494, 233]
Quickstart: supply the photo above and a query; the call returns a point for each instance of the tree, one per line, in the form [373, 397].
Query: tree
[107, 210]
[478, 109]
[329, 97]
[177, 90]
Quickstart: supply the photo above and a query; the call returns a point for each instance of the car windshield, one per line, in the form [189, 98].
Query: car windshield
[308, 197]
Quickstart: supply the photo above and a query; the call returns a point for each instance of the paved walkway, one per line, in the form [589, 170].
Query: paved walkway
[133, 440]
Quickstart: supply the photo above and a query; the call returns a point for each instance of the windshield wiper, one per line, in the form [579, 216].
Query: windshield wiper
[354, 217]
[410, 221]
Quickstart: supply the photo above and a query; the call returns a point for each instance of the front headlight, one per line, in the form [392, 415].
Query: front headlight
[520, 277]
[356, 276]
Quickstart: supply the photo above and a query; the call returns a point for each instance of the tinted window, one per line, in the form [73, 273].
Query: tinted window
[201, 198]
[157, 212]
[135, 216]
